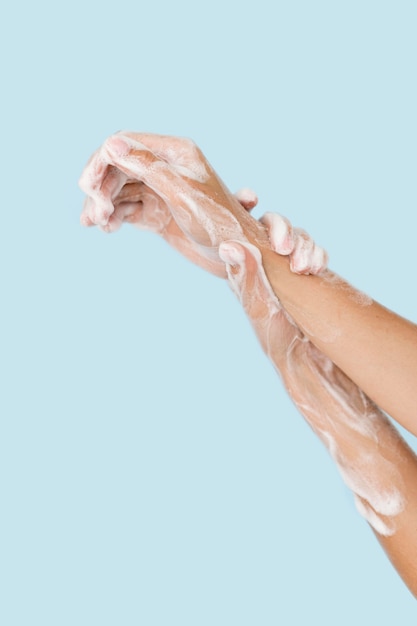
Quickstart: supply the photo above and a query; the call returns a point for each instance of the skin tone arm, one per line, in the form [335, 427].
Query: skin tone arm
[373, 459]
[374, 346]
[165, 184]
[148, 187]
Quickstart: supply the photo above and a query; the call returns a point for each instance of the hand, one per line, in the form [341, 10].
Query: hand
[305, 256]
[166, 185]
[273, 326]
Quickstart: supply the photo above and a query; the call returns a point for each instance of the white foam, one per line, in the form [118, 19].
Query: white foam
[379, 525]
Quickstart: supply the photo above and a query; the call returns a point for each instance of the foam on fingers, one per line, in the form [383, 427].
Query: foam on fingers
[302, 256]
[319, 260]
[280, 233]
[118, 145]
[247, 198]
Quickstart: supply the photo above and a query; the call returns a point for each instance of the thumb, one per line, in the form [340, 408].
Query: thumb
[248, 280]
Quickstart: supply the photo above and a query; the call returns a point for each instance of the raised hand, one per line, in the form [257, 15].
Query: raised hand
[166, 185]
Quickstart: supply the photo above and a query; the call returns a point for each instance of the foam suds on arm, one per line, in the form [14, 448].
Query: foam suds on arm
[359, 437]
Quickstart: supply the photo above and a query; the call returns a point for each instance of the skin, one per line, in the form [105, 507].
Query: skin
[374, 460]
[343, 323]
[166, 184]
[312, 327]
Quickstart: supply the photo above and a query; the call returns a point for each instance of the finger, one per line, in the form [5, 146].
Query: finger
[319, 260]
[180, 152]
[307, 257]
[196, 211]
[96, 211]
[301, 256]
[113, 223]
[280, 233]
[93, 173]
[248, 280]
[85, 219]
[178, 155]
[247, 198]
[101, 181]
[134, 160]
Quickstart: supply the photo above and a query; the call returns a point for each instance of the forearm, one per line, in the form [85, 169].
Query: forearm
[376, 348]
[374, 461]
[170, 184]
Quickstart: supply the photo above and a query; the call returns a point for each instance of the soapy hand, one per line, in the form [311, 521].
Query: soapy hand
[274, 328]
[166, 185]
[305, 256]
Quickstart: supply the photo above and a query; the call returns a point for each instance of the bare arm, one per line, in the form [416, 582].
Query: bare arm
[375, 347]
[166, 184]
[374, 461]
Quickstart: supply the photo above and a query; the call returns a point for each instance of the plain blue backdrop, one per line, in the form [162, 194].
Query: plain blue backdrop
[152, 470]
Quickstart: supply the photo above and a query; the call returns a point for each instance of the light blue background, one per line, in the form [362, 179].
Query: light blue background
[153, 471]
